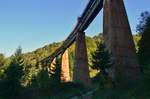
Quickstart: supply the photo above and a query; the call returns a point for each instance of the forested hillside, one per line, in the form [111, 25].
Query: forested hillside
[22, 72]
[45, 51]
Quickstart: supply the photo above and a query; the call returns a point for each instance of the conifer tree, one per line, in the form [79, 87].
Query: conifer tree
[101, 58]
[13, 75]
[144, 43]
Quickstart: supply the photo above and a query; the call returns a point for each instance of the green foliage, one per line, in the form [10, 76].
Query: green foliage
[55, 76]
[140, 91]
[23, 76]
[2, 60]
[30, 71]
[71, 62]
[47, 83]
[144, 44]
[147, 72]
[11, 83]
[2, 64]
[101, 58]
[143, 21]
[43, 81]
[136, 39]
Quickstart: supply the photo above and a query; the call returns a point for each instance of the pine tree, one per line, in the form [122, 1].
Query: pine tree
[49, 82]
[101, 58]
[144, 45]
[43, 81]
[142, 23]
[101, 61]
[13, 75]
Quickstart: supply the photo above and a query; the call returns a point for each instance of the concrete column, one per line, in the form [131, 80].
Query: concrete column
[65, 71]
[81, 68]
[119, 41]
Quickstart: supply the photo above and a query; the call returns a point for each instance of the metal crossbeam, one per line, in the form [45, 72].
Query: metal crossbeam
[91, 11]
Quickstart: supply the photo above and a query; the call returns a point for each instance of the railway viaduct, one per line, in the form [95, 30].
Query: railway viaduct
[117, 38]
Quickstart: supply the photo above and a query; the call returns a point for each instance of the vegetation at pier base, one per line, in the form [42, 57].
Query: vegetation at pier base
[140, 91]
[32, 81]
[101, 61]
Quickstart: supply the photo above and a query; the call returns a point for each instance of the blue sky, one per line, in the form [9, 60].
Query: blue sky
[35, 23]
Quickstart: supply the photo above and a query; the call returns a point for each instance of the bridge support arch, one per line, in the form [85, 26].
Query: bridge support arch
[81, 68]
[119, 41]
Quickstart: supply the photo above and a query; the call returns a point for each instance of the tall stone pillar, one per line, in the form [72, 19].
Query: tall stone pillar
[119, 41]
[81, 68]
[65, 71]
